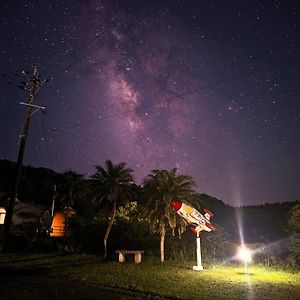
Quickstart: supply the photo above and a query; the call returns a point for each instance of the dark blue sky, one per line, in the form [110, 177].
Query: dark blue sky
[209, 87]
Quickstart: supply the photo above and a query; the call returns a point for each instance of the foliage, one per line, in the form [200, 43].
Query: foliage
[36, 184]
[113, 184]
[69, 188]
[130, 212]
[293, 223]
[293, 226]
[160, 188]
[294, 257]
[270, 224]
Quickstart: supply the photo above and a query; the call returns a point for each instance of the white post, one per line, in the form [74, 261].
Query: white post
[199, 266]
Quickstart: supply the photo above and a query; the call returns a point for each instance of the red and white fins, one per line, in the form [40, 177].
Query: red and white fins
[208, 214]
[210, 226]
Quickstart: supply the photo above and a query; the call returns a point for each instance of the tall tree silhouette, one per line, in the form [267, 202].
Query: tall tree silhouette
[160, 188]
[69, 187]
[114, 185]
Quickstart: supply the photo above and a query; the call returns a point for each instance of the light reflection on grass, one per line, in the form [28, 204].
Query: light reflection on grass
[175, 279]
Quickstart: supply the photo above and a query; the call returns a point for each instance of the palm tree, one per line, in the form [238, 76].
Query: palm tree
[69, 187]
[113, 184]
[160, 188]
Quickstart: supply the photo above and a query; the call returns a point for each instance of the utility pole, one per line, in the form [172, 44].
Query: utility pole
[32, 84]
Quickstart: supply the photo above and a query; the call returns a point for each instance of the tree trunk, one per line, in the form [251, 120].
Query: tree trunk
[162, 242]
[66, 231]
[111, 219]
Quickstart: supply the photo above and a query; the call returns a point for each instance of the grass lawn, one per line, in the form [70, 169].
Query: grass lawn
[173, 279]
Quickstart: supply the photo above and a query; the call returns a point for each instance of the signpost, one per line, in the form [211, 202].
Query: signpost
[199, 266]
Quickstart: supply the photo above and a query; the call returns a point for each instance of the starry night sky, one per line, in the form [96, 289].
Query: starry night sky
[209, 87]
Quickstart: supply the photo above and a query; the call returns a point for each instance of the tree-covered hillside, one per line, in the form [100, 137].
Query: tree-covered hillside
[257, 224]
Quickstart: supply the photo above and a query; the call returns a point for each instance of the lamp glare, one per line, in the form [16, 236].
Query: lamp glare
[244, 255]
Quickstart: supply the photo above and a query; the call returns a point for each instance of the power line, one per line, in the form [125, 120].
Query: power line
[208, 86]
[101, 118]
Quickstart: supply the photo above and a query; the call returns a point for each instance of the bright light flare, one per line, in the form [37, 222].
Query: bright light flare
[244, 255]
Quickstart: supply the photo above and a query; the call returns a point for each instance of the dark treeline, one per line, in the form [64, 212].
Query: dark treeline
[267, 225]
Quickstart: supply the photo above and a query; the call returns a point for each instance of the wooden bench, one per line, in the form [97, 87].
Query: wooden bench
[137, 255]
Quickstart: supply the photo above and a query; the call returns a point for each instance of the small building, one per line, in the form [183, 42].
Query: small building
[58, 228]
[25, 219]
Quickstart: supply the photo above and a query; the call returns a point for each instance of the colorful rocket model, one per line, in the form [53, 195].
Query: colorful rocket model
[194, 217]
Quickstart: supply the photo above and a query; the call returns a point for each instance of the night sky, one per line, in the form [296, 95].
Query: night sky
[209, 87]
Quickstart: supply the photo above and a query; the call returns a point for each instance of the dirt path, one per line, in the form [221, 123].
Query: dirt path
[43, 287]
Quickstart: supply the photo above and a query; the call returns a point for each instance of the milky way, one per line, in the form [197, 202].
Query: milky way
[208, 87]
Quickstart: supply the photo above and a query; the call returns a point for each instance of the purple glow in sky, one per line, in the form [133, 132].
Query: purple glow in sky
[209, 87]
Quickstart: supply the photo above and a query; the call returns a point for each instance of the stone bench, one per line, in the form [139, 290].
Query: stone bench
[137, 255]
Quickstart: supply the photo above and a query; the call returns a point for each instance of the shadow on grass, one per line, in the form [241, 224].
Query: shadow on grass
[16, 272]
[6, 262]
[34, 266]
[245, 274]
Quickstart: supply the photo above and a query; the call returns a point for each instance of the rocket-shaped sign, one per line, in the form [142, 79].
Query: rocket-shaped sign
[194, 217]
